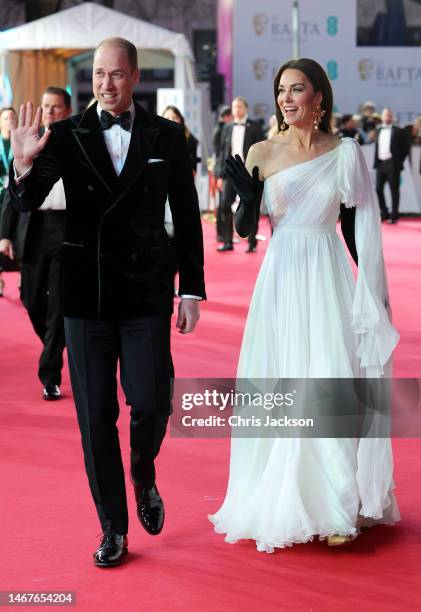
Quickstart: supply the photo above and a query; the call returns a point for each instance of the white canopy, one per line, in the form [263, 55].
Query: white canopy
[85, 25]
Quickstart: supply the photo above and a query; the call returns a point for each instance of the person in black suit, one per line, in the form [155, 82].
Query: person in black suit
[38, 237]
[225, 116]
[119, 163]
[236, 139]
[392, 147]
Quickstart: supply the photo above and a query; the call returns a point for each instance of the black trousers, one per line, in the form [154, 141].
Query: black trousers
[225, 225]
[40, 289]
[388, 173]
[142, 346]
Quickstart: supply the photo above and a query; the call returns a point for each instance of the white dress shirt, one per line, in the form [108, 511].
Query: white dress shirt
[237, 138]
[385, 135]
[117, 140]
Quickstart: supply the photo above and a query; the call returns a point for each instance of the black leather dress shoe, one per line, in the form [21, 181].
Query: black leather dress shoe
[384, 215]
[112, 550]
[150, 509]
[252, 248]
[51, 392]
[227, 246]
[392, 220]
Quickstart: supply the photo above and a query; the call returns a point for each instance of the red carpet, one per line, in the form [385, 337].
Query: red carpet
[48, 523]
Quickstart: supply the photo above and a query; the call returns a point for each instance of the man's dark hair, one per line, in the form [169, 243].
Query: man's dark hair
[59, 91]
[346, 118]
[225, 112]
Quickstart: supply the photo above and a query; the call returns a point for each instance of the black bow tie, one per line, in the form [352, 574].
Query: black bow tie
[238, 123]
[106, 120]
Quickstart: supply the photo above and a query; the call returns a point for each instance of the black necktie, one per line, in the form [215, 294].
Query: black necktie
[106, 120]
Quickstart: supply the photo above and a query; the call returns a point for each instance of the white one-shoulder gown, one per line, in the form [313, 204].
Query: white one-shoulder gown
[308, 318]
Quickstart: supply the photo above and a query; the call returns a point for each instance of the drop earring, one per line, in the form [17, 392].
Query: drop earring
[318, 116]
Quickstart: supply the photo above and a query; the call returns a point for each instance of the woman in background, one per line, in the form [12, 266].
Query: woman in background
[173, 114]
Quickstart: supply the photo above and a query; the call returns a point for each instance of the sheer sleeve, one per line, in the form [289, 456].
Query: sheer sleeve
[371, 314]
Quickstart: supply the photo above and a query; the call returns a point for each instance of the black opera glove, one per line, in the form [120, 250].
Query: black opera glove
[250, 190]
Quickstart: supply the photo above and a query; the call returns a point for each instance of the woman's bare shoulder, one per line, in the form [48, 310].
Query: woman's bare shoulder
[257, 155]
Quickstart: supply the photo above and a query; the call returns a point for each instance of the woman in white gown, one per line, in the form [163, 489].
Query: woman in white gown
[309, 319]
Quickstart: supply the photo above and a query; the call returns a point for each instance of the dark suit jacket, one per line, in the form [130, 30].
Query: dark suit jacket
[192, 144]
[14, 226]
[117, 259]
[399, 147]
[253, 133]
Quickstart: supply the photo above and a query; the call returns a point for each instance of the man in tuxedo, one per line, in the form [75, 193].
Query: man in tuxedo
[39, 236]
[236, 139]
[119, 164]
[392, 147]
[225, 116]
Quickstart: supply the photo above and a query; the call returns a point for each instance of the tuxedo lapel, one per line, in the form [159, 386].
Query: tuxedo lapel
[89, 137]
[142, 141]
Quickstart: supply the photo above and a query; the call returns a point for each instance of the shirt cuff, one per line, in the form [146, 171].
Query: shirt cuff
[191, 297]
[20, 178]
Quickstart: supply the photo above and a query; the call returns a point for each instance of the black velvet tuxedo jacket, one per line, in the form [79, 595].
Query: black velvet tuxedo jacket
[253, 133]
[399, 147]
[117, 259]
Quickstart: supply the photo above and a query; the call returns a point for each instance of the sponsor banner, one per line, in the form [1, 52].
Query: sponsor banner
[329, 33]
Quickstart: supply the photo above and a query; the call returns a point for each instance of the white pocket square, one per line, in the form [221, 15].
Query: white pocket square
[152, 160]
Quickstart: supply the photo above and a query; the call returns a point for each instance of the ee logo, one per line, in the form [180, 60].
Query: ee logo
[332, 70]
[332, 26]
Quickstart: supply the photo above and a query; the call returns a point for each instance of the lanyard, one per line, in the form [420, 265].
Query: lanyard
[4, 158]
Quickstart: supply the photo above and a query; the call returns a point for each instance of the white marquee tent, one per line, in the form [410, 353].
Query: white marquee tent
[60, 36]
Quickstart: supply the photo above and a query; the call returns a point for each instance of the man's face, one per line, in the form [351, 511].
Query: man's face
[6, 119]
[387, 116]
[113, 79]
[239, 110]
[53, 108]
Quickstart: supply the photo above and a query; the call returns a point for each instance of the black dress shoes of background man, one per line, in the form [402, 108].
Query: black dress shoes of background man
[227, 246]
[150, 509]
[252, 247]
[51, 392]
[112, 550]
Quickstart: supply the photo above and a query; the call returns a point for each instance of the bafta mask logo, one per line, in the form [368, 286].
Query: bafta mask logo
[365, 68]
[260, 68]
[261, 110]
[260, 23]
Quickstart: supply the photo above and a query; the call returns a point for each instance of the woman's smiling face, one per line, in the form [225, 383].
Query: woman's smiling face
[297, 98]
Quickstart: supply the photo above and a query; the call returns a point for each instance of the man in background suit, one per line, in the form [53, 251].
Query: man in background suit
[392, 147]
[225, 116]
[236, 139]
[119, 163]
[38, 237]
